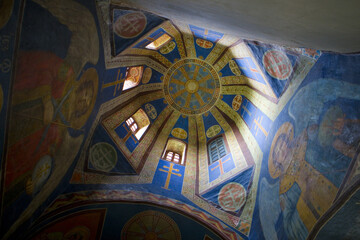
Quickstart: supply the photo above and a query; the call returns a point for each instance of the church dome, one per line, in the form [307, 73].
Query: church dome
[123, 124]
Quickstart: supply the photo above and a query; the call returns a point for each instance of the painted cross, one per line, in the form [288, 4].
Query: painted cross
[221, 162]
[151, 111]
[277, 64]
[130, 25]
[131, 143]
[123, 131]
[249, 69]
[206, 34]
[117, 83]
[179, 133]
[168, 47]
[204, 43]
[258, 124]
[218, 168]
[244, 107]
[212, 131]
[131, 22]
[232, 196]
[169, 173]
[236, 103]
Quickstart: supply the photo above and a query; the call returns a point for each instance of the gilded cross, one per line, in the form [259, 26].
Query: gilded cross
[221, 162]
[117, 83]
[245, 110]
[171, 171]
[259, 126]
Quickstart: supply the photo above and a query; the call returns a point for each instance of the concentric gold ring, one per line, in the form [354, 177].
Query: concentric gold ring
[191, 86]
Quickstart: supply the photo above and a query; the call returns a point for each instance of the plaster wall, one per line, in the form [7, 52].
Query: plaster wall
[326, 25]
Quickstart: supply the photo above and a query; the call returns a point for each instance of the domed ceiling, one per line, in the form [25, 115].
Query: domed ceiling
[120, 124]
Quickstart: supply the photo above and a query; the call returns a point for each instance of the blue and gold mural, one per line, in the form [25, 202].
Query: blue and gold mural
[107, 111]
[169, 176]
[308, 158]
[205, 40]
[128, 26]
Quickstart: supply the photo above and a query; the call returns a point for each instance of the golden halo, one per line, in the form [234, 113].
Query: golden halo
[92, 76]
[286, 129]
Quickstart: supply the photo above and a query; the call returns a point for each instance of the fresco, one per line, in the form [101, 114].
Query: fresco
[231, 195]
[277, 64]
[205, 40]
[80, 225]
[258, 122]
[9, 10]
[345, 222]
[309, 154]
[112, 162]
[169, 176]
[236, 138]
[53, 94]
[129, 25]
[195, 93]
[132, 221]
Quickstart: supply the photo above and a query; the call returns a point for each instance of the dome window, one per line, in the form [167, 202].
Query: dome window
[159, 42]
[216, 149]
[175, 151]
[133, 77]
[138, 123]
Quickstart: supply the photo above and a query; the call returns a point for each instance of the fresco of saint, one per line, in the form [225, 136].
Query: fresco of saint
[46, 102]
[52, 99]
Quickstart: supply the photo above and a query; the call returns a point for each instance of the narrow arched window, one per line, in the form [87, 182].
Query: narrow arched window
[133, 77]
[159, 42]
[173, 157]
[132, 125]
[175, 151]
[138, 123]
[216, 149]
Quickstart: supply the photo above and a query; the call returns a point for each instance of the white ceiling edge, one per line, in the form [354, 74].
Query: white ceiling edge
[329, 25]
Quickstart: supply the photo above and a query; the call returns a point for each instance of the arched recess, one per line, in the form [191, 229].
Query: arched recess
[133, 128]
[100, 206]
[133, 77]
[175, 151]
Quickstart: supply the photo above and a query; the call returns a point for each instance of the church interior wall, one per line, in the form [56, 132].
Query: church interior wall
[271, 133]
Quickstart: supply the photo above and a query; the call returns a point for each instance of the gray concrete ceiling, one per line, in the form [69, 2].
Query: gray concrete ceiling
[321, 24]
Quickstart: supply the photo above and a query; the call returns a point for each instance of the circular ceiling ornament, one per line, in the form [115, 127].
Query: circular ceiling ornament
[234, 68]
[236, 103]
[150, 111]
[103, 156]
[191, 86]
[168, 48]
[213, 131]
[146, 75]
[204, 43]
[232, 196]
[179, 133]
[277, 64]
[151, 225]
[130, 25]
